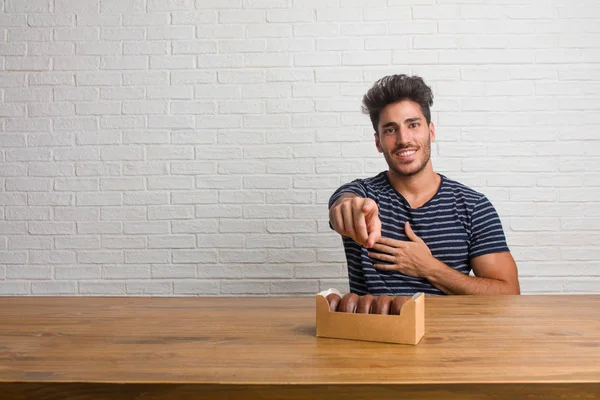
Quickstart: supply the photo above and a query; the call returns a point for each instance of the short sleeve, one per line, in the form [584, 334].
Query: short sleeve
[487, 234]
[355, 187]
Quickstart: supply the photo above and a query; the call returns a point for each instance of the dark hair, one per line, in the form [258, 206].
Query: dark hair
[393, 88]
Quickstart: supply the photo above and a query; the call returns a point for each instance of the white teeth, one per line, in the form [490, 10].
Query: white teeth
[406, 153]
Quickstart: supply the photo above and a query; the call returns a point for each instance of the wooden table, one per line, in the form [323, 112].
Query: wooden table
[224, 348]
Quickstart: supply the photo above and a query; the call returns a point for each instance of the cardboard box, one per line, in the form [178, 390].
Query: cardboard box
[406, 328]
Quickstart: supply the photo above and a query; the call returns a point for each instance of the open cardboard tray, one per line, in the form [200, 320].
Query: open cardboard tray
[406, 328]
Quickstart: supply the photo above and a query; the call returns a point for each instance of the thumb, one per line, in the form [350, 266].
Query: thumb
[410, 234]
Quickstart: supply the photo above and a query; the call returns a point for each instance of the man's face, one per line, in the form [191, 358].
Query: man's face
[404, 137]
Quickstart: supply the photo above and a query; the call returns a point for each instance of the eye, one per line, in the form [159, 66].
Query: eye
[389, 130]
[414, 125]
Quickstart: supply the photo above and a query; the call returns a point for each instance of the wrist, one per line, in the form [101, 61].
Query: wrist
[431, 268]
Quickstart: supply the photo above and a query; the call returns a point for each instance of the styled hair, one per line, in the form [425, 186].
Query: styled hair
[394, 88]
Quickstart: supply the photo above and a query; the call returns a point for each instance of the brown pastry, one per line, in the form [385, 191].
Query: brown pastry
[348, 303]
[333, 299]
[364, 304]
[397, 304]
[382, 304]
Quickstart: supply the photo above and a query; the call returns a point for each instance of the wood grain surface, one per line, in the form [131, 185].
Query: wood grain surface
[248, 347]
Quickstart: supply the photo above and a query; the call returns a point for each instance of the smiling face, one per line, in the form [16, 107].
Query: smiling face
[404, 138]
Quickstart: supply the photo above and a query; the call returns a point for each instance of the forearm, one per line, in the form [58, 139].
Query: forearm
[451, 281]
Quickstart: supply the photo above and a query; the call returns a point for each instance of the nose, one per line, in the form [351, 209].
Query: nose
[403, 136]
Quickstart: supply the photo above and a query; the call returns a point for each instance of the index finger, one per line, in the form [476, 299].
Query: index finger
[392, 242]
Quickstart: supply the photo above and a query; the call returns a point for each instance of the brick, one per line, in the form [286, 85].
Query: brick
[194, 226]
[29, 242]
[78, 242]
[122, 34]
[75, 94]
[194, 256]
[146, 198]
[127, 213]
[173, 62]
[224, 31]
[243, 256]
[270, 241]
[122, 153]
[16, 6]
[97, 19]
[173, 122]
[93, 169]
[320, 29]
[13, 257]
[98, 199]
[50, 199]
[124, 242]
[241, 226]
[122, 6]
[77, 272]
[8, 19]
[241, 287]
[12, 140]
[98, 108]
[294, 287]
[192, 197]
[126, 122]
[173, 271]
[218, 211]
[105, 288]
[147, 256]
[170, 33]
[193, 17]
[197, 287]
[170, 5]
[75, 123]
[27, 214]
[170, 183]
[51, 257]
[241, 16]
[146, 288]
[146, 19]
[54, 288]
[240, 167]
[13, 228]
[171, 242]
[170, 212]
[146, 228]
[14, 288]
[15, 49]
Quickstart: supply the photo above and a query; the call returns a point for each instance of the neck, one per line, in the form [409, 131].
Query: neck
[417, 189]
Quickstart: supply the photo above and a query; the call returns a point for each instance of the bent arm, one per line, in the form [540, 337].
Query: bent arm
[495, 273]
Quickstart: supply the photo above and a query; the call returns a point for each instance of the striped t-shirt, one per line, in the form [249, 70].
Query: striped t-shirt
[457, 224]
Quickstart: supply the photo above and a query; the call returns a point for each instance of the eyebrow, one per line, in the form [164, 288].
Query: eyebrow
[406, 121]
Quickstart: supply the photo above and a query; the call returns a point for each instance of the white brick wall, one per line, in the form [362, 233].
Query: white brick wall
[188, 147]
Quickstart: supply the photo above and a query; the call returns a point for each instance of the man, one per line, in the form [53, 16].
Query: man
[410, 229]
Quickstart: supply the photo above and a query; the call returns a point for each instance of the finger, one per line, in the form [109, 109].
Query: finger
[370, 207]
[381, 256]
[386, 267]
[337, 220]
[384, 249]
[374, 228]
[360, 224]
[348, 221]
[392, 242]
[410, 234]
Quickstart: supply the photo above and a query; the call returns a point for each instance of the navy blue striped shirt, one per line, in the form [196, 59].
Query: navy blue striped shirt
[457, 224]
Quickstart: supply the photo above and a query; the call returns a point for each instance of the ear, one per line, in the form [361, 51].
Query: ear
[377, 143]
[432, 131]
